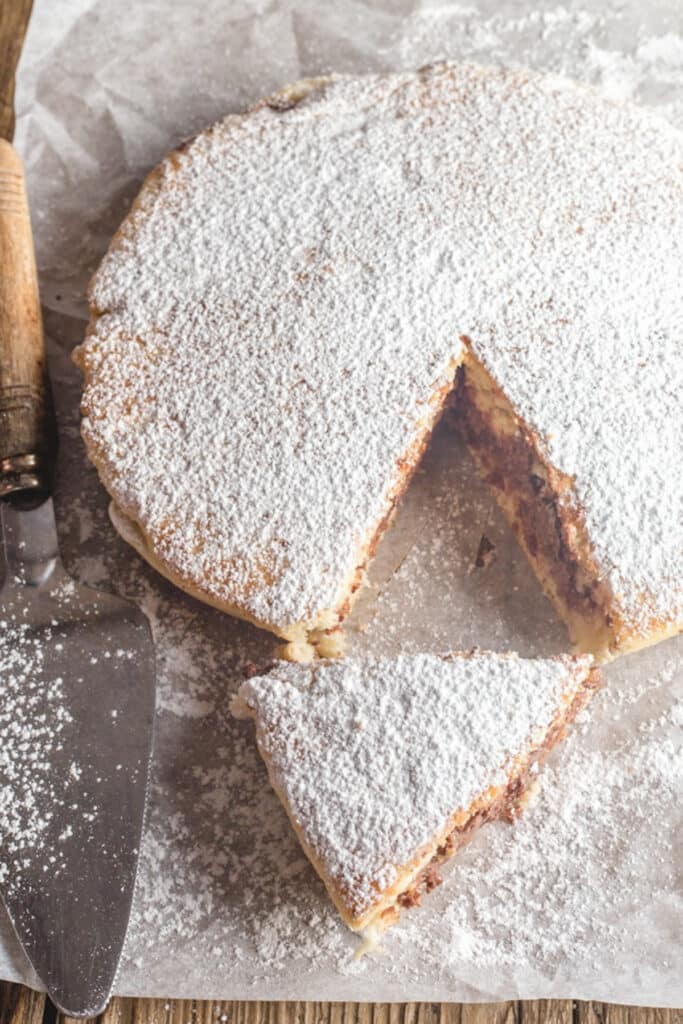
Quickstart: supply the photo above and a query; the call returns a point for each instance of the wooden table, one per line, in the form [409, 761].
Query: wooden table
[19, 1005]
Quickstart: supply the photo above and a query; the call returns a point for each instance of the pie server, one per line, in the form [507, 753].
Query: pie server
[76, 682]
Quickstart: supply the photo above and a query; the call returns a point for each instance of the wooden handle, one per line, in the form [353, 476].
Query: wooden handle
[27, 433]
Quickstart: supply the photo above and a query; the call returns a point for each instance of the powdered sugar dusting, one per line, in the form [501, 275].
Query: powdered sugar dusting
[374, 756]
[32, 716]
[317, 265]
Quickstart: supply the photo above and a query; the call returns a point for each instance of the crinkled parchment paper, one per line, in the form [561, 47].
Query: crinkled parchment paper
[584, 897]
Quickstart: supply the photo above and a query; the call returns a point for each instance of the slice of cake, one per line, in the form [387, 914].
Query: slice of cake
[387, 766]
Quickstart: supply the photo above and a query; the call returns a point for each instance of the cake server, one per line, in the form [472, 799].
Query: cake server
[76, 682]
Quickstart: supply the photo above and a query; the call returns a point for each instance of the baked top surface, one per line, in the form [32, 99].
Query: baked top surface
[373, 756]
[289, 290]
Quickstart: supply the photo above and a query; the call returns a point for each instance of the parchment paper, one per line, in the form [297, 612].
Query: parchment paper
[584, 897]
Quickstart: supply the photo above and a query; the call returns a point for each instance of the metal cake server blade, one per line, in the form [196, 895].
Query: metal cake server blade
[76, 683]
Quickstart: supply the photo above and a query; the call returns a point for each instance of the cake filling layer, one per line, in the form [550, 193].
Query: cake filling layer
[537, 501]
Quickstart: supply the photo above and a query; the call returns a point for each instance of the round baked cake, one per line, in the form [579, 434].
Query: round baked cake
[297, 293]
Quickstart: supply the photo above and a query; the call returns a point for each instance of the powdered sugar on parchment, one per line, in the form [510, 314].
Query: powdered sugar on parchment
[622, 51]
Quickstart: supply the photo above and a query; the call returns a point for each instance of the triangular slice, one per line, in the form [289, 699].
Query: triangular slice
[387, 766]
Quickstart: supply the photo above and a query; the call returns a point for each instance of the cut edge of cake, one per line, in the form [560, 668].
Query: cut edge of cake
[420, 874]
[539, 503]
[320, 635]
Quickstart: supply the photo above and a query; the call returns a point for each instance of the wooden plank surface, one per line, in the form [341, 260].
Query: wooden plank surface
[19, 1005]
